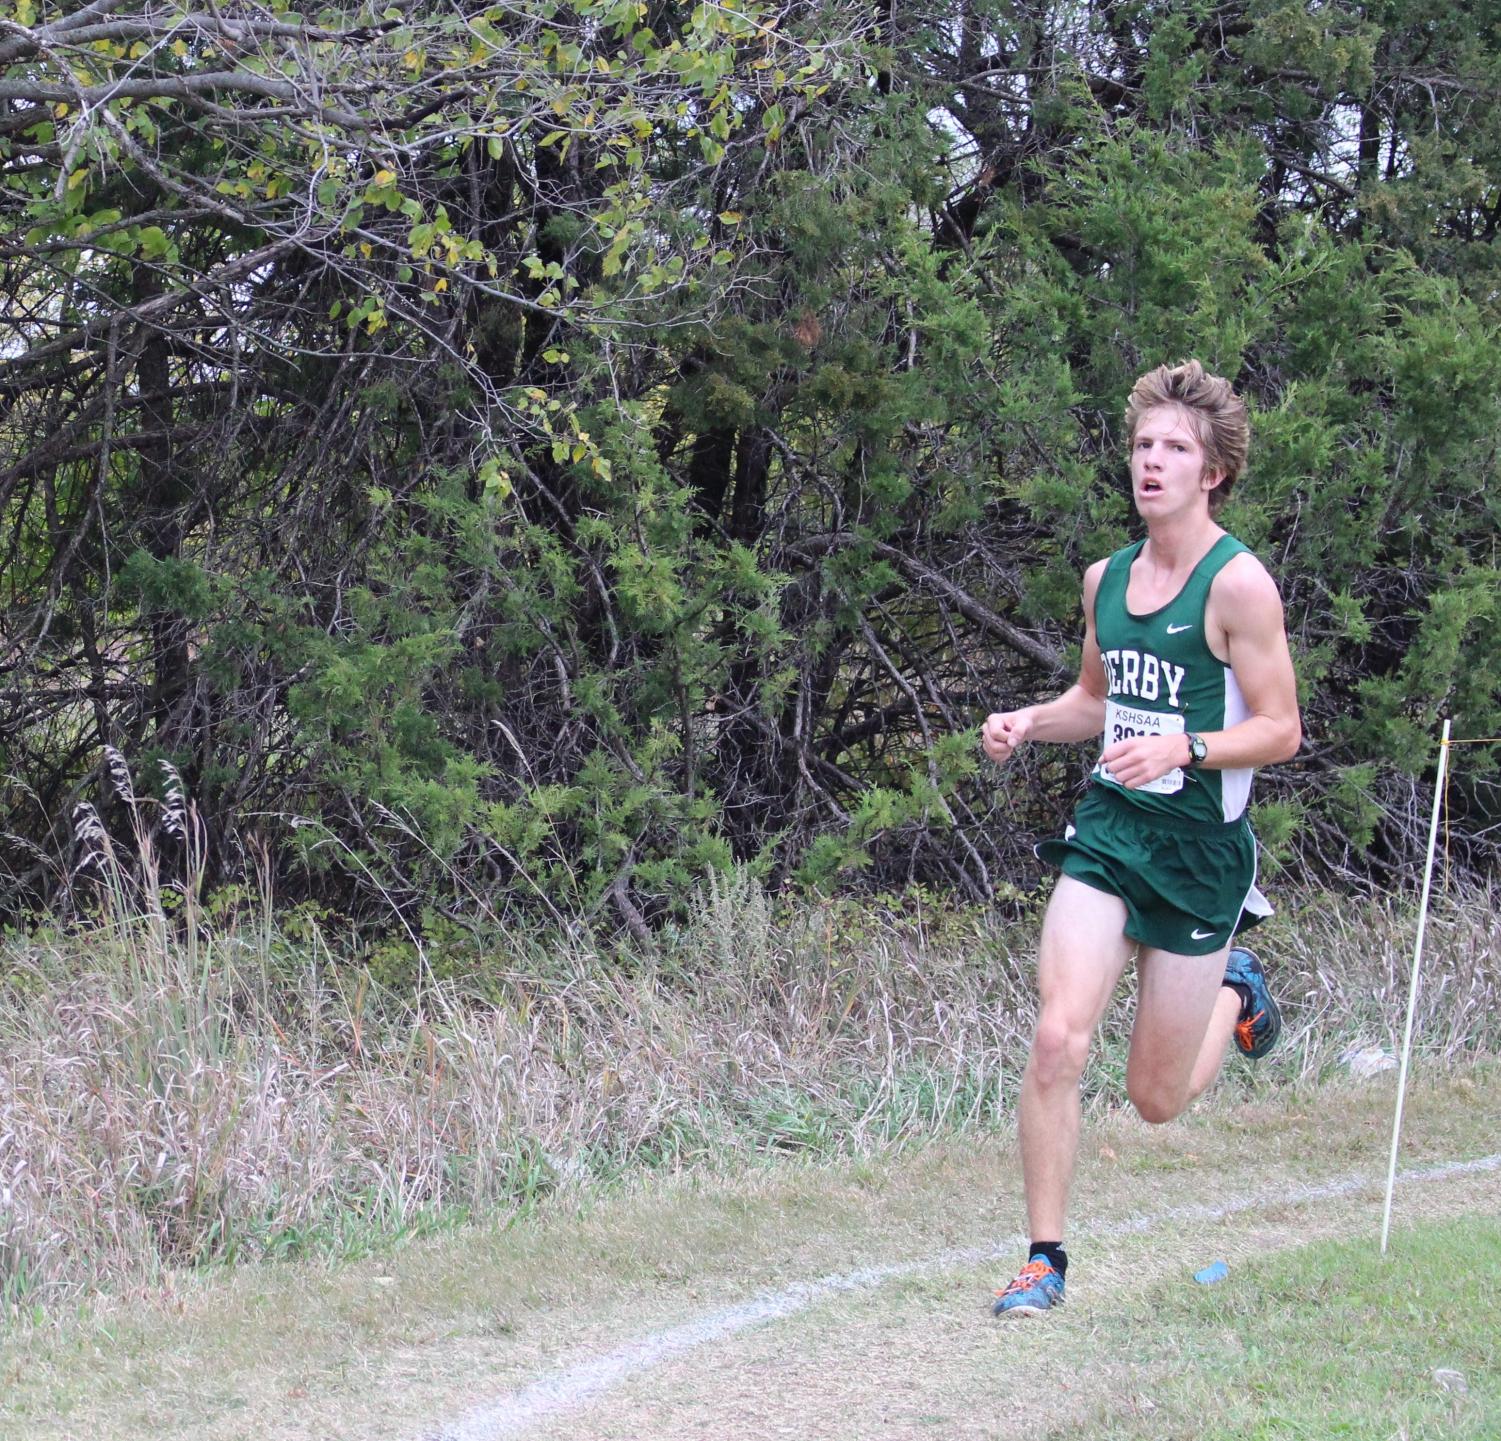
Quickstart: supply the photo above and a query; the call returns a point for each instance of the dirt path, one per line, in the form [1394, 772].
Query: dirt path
[808, 1301]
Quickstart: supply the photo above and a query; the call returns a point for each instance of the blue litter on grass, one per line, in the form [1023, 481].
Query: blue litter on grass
[1215, 1271]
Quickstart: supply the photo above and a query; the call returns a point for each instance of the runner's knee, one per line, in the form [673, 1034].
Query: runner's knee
[1155, 1105]
[1059, 1050]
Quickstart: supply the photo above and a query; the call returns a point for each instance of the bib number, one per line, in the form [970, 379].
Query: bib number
[1122, 722]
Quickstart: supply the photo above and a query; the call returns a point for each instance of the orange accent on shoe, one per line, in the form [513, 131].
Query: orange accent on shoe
[1027, 1277]
[1245, 1031]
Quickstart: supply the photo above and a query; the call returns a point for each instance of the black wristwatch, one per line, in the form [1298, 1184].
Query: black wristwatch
[1197, 750]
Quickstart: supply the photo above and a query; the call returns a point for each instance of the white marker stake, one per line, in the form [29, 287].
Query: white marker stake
[1412, 989]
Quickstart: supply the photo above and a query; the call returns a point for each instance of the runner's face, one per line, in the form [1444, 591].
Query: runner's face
[1168, 473]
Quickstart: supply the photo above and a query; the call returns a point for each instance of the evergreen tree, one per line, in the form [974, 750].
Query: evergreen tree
[523, 458]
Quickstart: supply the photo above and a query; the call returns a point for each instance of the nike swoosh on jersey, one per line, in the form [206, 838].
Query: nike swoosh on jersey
[1202, 935]
[1178, 629]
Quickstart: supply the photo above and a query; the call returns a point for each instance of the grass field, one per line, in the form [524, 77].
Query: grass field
[441, 1336]
[250, 1193]
[1323, 1341]
[205, 1093]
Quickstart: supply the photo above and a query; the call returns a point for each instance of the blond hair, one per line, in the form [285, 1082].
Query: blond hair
[1217, 414]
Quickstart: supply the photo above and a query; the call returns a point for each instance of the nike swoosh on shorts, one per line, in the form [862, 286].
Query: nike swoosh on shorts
[1202, 935]
[1178, 629]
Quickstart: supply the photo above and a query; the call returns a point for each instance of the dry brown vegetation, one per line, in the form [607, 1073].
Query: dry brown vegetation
[179, 1092]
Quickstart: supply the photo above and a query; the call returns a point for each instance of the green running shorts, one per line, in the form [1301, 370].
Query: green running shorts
[1188, 886]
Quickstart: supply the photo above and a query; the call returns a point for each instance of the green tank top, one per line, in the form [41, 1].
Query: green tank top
[1162, 679]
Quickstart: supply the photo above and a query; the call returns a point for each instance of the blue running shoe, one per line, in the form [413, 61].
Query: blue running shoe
[1037, 1288]
[1260, 1021]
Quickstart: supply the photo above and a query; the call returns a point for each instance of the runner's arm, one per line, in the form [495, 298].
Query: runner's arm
[1076, 715]
[1245, 599]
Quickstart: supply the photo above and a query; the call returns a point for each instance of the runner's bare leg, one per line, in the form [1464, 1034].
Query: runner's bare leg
[1178, 1002]
[1216, 1042]
[1084, 952]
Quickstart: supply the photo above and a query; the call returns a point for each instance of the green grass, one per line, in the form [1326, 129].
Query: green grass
[193, 1091]
[1325, 1341]
[356, 1338]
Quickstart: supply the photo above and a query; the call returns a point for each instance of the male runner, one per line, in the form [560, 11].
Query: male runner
[1186, 671]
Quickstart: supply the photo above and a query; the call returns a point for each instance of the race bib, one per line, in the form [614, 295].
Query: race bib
[1124, 721]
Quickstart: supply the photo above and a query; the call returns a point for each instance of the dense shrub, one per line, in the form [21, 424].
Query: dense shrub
[563, 451]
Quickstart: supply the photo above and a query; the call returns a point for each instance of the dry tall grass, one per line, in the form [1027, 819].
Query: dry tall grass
[175, 1092]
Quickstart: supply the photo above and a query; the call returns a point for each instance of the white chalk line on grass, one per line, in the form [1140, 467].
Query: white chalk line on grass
[576, 1386]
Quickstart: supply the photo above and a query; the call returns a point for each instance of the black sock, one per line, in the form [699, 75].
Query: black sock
[1057, 1257]
[1244, 992]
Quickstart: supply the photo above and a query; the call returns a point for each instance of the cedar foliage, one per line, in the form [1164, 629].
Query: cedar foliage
[517, 459]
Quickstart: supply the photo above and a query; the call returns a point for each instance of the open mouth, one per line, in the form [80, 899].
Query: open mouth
[1150, 487]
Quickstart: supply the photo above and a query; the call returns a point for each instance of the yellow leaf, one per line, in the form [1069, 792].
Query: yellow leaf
[365, 249]
[440, 286]
[412, 60]
[60, 109]
[179, 48]
[384, 177]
